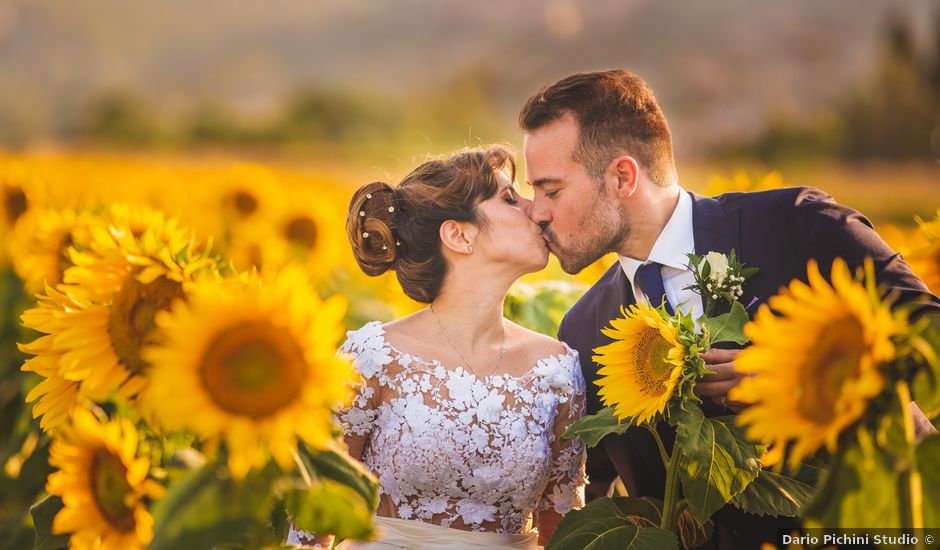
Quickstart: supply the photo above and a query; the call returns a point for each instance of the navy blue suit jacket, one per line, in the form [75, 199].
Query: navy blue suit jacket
[778, 231]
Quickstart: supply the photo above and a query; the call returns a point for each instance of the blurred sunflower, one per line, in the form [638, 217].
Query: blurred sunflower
[924, 256]
[816, 365]
[14, 201]
[57, 396]
[99, 320]
[40, 245]
[245, 192]
[307, 230]
[642, 366]
[741, 182]
[103, 485]
[257, 365]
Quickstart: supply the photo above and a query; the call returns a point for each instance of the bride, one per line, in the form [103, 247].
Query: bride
[460, 411]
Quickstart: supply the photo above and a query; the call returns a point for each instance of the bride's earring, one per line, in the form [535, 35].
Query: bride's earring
[469, 249]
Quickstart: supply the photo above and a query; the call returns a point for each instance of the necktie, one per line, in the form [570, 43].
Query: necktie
[650, 279]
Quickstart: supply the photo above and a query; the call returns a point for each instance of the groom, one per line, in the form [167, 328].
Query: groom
[598, 154]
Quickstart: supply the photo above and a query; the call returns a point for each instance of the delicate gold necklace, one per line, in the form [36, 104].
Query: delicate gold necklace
[502, 348]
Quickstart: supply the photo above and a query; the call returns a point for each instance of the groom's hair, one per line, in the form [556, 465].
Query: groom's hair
[616, 113]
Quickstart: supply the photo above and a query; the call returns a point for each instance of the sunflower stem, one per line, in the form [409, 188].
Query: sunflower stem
[659, 443]
[910, 485]
[672, 489]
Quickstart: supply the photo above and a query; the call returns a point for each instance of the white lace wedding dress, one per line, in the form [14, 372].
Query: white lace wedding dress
[459, 451]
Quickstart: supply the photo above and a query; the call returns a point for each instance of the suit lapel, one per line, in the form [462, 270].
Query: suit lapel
[714, 229]
[616, 294]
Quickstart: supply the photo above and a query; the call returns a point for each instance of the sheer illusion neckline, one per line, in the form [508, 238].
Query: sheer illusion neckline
[532, 372]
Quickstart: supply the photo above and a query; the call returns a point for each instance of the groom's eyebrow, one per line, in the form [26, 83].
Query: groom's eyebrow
[542, 181]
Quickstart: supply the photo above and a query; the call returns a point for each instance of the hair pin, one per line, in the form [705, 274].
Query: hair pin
[362, 213]
[391, 208]
[368, 195]
[365, 234]
[384, 247]
[397, 243]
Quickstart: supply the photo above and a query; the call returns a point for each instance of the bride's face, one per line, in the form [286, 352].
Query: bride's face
[509, 236]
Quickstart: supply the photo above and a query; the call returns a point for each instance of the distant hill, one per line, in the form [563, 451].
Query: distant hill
[719, 67]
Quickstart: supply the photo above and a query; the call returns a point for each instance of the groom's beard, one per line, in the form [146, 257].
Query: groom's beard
[599, 234]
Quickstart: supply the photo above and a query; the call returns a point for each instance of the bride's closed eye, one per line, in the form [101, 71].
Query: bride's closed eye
[511, 199]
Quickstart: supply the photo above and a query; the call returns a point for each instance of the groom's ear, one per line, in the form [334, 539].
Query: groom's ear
[458, 236]
[624, 172]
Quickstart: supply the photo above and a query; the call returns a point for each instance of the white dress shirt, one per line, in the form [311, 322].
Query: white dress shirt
[670, 249]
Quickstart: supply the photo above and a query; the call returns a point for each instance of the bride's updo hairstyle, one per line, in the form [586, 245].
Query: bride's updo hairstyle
[399, 227]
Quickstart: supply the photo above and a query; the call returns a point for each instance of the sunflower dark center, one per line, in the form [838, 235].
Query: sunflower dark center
[253, 369]
[650, 356]
[302, 231]
[111, 490]
[833, 358]
[245, 203]
[15, 203]
[63, 261]
[131, 320]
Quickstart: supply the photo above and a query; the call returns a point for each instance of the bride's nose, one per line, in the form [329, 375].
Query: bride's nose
[526, 205]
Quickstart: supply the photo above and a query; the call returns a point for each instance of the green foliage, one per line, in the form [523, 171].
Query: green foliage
[540, 307]
[207, 508]
[330, 507]
[926, 383]
[20, 439]
[339, 466]
[609, 523]
[928, 460]
[727, 327]
[43, 513]
[717, 463]
[774, 494]
[860, 489]
[594, 427]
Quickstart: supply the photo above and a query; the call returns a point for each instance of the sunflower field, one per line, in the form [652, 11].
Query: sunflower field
[167, 350]
[168, 353]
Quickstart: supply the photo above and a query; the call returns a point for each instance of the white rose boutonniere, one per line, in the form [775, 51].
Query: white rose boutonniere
[718, 278]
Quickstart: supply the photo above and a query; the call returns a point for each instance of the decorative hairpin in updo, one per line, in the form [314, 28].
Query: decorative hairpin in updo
[362, 214]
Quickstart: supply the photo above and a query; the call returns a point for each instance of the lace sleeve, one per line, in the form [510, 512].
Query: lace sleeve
[364, 347]
[565, 489]
[357, 419]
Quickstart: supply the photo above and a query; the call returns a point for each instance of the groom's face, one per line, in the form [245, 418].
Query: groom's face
[579, 222]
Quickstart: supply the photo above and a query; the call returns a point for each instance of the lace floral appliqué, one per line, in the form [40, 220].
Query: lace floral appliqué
[460, 451]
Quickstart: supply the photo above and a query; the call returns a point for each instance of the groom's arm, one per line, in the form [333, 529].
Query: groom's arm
[824, 230]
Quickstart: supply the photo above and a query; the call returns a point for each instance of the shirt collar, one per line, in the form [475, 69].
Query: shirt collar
[674, 242]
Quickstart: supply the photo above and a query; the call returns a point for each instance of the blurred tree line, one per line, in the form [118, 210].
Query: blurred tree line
[894, 115]
[332, 118]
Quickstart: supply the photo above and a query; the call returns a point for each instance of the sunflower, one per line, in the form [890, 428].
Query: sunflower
[14, 201]
[40, 245]
[98, 321]
[303, 231]
[257, 365]
[103, 485]
[924, 254]
[718, 185]
[642, 366]
[815, 366]
[925, 262]
[244, 192]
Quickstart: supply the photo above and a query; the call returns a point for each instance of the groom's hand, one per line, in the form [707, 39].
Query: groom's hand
[717, 385]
